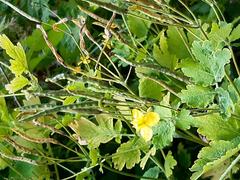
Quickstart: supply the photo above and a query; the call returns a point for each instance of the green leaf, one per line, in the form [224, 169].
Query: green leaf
[3, 164]
[212, 60]
[144, 160]
[214, 127]
[225, 103]
[232, 91]
[220, 33]
[94, 155]
[197, 96]
[4, 116]
[169, 164]
[118, 128]
[150, 89]
[164, 132]
[152, 172]
[93, 134]
[138, 26]
[235, 35]
[29, 171]
[208, 68]
[17, 84]
[196, 72]
[19, 61]
[128, 154]
[184, 120]
[183, 157]
[164, 110]
[162, 55]
[210, 157]
[176, 44]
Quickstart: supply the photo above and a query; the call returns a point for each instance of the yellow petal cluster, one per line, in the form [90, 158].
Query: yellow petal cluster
[143, 123]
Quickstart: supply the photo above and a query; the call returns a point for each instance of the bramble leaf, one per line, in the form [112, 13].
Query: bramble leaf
[197, 96]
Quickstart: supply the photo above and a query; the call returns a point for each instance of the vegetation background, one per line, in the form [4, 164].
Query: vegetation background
[123, 89]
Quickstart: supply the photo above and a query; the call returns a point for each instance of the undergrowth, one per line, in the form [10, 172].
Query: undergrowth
[145, 89]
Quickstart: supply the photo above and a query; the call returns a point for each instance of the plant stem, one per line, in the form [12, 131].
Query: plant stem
[235, 161]
[125, 174]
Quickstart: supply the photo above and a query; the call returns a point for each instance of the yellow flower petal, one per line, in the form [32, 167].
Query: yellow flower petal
[136, 114]
[151, 118]
[137, 119]
[146, 133]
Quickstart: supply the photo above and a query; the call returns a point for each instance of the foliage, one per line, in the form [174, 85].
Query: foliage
[107, 89]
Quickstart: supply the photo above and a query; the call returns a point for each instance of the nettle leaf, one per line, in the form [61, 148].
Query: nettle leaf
[169, 164]
[150, 89]
[19, 61]
[93, 134]
[225, 103]
[164, 132]
[184, 120]
[197, 96]
[214, 127]
[235, 35]
[128, 154]
[152, 172]
[209, 65]
[138, 26]
[16, 84]
[212, 156]
[162, 55]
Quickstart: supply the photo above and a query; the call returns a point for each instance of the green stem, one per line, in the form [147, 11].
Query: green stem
[232, 83]
[55, 166]
[230, 167]
[125, 174]
[234, 60]
[187, 137]
[81, 172]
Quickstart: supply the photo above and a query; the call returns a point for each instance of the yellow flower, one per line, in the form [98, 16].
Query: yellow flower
[143, 123]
